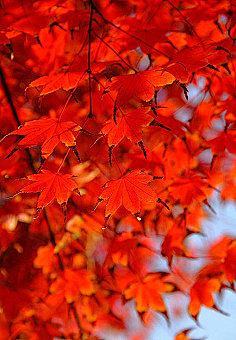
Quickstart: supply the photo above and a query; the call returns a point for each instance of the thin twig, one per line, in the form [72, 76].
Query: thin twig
[129, 66]
[127, 33]
[52, 238]
[89, 61]
[61, 265]
[186, 21]
[9, 97]
[14, 113]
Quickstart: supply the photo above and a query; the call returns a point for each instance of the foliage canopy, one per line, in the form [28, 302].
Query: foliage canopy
[118, 125]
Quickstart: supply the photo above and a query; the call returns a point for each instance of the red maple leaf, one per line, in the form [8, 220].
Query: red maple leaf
[140, 85]
[223, 141]
[129, 125]
[52, 186]
[65, 80]
[48, 133]
[130, 190]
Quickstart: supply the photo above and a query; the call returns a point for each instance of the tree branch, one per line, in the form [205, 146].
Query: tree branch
[89, 61]
[14, 113]
[61, 265]
[127, 33]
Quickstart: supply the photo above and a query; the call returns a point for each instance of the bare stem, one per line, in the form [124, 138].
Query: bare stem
[14, 113]
[61, 265]
[128, 65]
[89, 60]
[127, 33]
[186, 21]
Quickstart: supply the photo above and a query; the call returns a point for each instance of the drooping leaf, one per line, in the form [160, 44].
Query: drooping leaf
[173, 242]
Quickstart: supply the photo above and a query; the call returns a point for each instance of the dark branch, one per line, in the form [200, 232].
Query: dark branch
[89, 61]
[14, 113]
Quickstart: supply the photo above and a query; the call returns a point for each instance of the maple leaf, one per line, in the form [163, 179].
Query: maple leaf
[230, 263]
[147, 293]
[109, 319]
[129, 125]
[47, 133]
[66, 81]
[93, 306]
[219, 249]
[130, 190]
[74, 282]
[139, 85]
[193, 58]
[223, 141]
[184, 335]
[32, 23]
[179, 71]
[129, 250]
[52, 45]
[52, 186]
[201, 293]
[120, 249]
[173, 242]
[46, 259]
[188, 189]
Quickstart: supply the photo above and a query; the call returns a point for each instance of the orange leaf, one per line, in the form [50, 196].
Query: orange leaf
[230, 263]
[73, 283]
[201, 293]
[194, 57]
[52, 186]
[147, 293]
[219, 249]
[46, 259]
[95, 305]
[130, 190]
[48, 133]
[183, 335]
[173, 242]
[32, 24]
